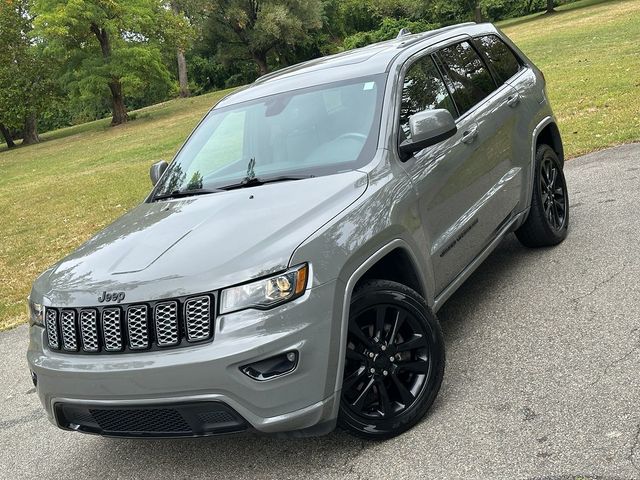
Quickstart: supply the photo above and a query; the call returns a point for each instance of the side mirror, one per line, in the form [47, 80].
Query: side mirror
[156, 171]
[428, 128]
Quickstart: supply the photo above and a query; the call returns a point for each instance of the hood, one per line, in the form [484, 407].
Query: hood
[198, 244]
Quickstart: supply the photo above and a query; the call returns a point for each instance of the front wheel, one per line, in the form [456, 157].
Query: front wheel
[394, 361]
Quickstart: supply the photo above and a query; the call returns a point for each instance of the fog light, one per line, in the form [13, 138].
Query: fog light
[272, 367]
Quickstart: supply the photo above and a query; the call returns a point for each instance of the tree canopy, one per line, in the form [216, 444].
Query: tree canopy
[68, 61]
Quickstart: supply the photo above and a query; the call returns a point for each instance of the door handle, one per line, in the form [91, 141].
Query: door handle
[513, 100]
[470, 135]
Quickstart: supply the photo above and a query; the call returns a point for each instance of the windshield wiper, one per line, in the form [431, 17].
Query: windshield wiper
[185, 193]
[256, 181]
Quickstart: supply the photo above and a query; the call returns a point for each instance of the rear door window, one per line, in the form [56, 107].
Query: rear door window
[468, 77]
[423, 89]
[503, 61]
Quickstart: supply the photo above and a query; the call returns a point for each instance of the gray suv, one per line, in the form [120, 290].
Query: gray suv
[285, 271]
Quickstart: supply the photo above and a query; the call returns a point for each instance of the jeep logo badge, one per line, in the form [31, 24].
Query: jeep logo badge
[111, 297]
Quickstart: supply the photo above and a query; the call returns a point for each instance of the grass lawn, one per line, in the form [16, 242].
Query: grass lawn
[55, 195]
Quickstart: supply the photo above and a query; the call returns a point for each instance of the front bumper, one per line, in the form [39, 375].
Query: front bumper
[303, 400]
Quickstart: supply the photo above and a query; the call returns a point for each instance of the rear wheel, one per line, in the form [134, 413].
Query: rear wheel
[394, 361]
[548, 219]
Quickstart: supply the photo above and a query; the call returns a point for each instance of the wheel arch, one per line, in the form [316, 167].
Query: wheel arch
[398, 265]
[395, 249]
[549, 134]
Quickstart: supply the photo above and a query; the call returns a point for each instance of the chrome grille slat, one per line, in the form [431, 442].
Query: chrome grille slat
[198, 318]
[52, 328]
[69, 330]
[89, 330]
[137, 327]
[166, 323]
[112, 329]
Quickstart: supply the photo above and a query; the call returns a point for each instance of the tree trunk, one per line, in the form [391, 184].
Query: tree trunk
[7, 136]
[30, 135]
[182, 74]
[118, 108]
[261, 61]
[550, 5]
[477, 12]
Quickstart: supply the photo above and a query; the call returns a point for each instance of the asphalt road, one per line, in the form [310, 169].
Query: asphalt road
[542, 379]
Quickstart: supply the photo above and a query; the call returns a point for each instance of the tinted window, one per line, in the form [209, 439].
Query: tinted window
[423, 89]
[468, 77]
[504, 62]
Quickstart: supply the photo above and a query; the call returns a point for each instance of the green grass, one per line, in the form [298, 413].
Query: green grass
[589, 54]
[55, 195]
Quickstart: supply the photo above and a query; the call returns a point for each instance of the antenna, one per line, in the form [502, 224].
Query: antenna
[403, 32]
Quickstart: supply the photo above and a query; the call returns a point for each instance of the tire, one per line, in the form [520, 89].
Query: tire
[395, 361]
[548, 220]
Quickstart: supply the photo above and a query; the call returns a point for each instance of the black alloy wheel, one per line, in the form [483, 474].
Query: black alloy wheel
[394, 361]
[548, 220]
[554, 197]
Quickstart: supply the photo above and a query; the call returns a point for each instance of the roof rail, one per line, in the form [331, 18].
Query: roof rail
[403, 32]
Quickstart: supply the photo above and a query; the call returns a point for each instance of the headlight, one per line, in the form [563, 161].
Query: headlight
[35, 313]
[266, 293]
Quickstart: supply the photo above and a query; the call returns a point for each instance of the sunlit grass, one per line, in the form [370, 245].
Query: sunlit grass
[55, 195]
[589, 54]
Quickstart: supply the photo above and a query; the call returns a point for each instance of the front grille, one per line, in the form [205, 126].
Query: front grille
[89, 330]
[138, 328]
[198, 312]
[52, 328]
[167, 324]
[69, 330]
[130, 328]
[112, 329]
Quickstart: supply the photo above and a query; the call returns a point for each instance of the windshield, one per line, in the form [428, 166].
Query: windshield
[308, 132]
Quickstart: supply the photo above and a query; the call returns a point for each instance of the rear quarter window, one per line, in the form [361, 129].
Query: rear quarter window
[503, 61]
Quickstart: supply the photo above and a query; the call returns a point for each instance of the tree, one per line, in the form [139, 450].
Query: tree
[194, 13]
[256, 28]
[113, 48]
[26, 73]
[8, 138]
[550, 6]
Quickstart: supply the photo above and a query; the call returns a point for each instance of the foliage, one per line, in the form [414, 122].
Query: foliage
[388, 30]
[255, 29]
[27, 85]
[103, 42]
[87, 58]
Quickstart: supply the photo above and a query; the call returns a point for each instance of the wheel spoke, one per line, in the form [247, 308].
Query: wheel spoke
[359, 402]
[418, 341]
[354, 355]
[415, 366]
[556, 216]
[351, 380]
[383, 396]
[406, 396]
[359, 334]
[554, 175]
[397, 324]
[380, 314]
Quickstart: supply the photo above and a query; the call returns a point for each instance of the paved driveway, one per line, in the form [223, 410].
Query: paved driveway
[542, 380]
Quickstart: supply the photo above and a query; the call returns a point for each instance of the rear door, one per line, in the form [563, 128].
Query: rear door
[465, 184]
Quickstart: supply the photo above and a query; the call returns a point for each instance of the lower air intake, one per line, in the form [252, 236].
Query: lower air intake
[183, 420]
